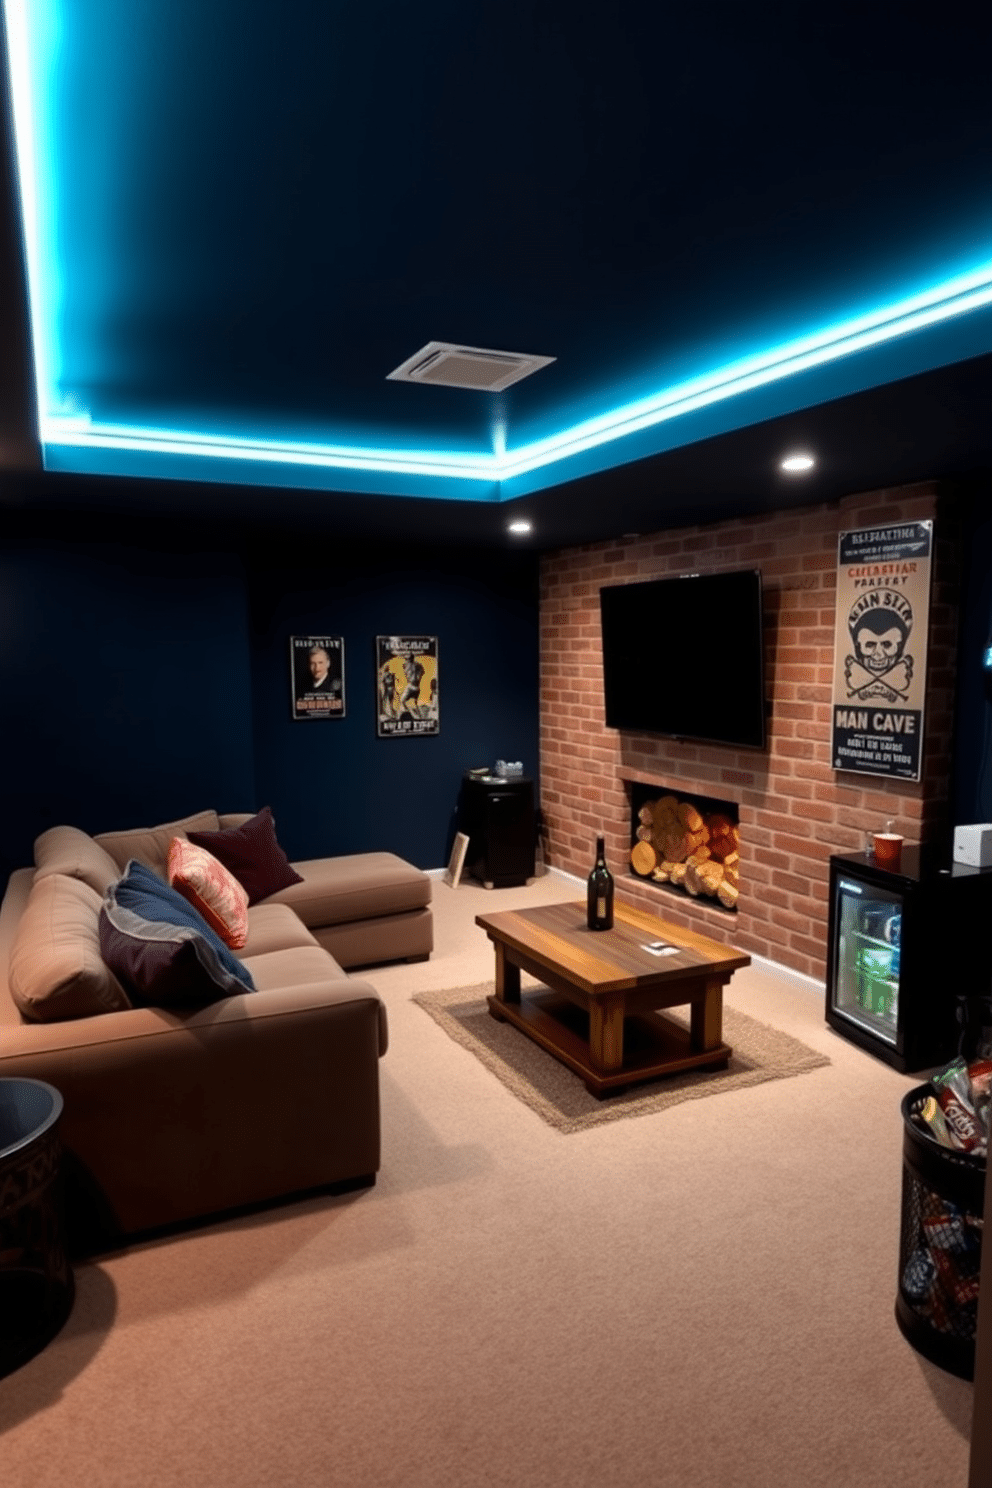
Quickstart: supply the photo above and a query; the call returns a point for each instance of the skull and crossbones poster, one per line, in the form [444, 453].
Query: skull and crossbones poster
[880, 649]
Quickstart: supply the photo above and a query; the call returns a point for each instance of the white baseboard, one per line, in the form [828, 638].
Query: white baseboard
[802, 981]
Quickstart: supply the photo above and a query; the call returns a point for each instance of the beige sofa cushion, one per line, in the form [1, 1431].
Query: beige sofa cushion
[210, 889]
[274, 927]
[299, 966]
[150, 845]
[359, 886]
[56, 971]
[69, 851]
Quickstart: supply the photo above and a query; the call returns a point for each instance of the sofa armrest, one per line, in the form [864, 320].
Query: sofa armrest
[170, 1115]
[66, 1042]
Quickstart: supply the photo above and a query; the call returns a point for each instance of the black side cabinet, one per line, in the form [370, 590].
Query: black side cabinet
[497, 814]
[905, 948]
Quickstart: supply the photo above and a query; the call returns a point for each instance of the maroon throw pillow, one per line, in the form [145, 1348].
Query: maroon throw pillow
[252, 854]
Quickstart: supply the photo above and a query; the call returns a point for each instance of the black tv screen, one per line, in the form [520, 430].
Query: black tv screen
[685, 657]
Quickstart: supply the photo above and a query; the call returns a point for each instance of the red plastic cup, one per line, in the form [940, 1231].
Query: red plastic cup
[888, 849]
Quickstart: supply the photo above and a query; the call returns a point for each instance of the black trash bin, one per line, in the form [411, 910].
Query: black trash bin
[36, 1280]
[940, 1245]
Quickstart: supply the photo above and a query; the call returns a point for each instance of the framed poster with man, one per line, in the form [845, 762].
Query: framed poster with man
[317, 676]
[407, 701]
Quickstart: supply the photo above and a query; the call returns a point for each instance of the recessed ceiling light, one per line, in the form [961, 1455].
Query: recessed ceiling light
[797, 464]
[520, 527]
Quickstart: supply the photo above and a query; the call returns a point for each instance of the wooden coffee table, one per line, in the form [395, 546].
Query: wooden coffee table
[598, 1009]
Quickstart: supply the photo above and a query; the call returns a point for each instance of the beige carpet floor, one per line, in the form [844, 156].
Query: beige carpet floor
[559, 1096]
[702, 1296]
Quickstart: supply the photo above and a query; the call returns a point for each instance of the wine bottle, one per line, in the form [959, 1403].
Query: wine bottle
[600, 899]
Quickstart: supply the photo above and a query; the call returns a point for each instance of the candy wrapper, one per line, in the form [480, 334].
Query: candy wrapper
[980, 1078]
[954, 1096]
[954, 1076]
[940, 1277]
[931, 1118]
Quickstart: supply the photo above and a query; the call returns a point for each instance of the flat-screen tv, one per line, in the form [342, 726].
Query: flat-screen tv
[685, 657]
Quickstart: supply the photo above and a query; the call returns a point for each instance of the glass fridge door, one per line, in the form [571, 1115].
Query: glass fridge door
[867, 965]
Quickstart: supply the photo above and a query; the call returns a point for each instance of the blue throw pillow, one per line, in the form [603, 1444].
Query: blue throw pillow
[161, 948]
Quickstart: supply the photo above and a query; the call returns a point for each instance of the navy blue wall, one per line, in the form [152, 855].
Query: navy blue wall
[148, 679]
[333, 785]
[973, 724]
[125, 674]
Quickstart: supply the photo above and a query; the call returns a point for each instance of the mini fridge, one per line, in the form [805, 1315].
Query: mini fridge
[497, 814]
[910, 955]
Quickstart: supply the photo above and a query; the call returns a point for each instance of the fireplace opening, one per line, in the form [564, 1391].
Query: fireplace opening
[684, 844]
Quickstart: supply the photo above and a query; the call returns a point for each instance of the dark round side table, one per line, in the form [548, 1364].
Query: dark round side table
[36, 1280]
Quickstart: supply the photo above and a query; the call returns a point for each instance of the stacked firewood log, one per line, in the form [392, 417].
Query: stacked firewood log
[676, 844]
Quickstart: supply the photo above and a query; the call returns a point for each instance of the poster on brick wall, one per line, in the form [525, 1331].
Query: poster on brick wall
[880, 649]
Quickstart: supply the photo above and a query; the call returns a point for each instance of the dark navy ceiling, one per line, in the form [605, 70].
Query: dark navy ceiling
[733, 227]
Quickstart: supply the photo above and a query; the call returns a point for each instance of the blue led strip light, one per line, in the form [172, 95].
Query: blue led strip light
[956, 297]
[81, 433]
[33, 31]
[36, 188]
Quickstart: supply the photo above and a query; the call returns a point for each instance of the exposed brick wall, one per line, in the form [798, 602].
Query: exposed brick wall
[795, 810]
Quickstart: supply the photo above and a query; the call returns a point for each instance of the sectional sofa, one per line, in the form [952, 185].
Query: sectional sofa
[191, 1108]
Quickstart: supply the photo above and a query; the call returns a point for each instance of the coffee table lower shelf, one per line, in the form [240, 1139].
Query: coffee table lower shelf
[653, 1045]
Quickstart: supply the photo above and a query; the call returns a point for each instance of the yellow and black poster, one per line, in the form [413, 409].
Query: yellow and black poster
[408, 704]
[880, 649]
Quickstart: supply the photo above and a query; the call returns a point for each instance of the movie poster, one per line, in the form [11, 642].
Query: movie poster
[880, 649]
[407, 703]
[316, 665]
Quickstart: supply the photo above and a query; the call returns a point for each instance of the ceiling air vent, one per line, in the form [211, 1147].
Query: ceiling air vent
[448, 365]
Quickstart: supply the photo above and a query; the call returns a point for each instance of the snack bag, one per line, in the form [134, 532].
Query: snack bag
[931, 1118]
[980, 1079]
[953, 1090]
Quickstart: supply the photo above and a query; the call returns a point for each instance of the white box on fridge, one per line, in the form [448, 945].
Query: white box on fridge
[973, 845]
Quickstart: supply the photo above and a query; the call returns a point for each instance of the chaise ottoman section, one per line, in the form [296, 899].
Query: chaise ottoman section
[358, 886]
[406, 937]
[363, 907]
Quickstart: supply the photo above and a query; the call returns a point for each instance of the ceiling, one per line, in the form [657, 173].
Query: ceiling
[737, 231]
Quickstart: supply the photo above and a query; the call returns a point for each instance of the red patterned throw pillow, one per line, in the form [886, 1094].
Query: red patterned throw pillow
[252, 854]
[210, 888]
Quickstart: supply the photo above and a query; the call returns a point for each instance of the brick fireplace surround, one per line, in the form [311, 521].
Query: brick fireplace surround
[795, 810]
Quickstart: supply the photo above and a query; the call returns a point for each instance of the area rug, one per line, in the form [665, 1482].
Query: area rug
[544, 1084]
